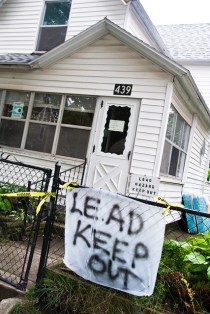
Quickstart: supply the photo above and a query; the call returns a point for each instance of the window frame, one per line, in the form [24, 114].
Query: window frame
[185, 130]
[58, 124]
[42, 25]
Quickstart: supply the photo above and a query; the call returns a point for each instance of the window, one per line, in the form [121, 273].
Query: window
[53, 123]
[176, 143]
[13, 118]
[75, 126]
[43, 120]
[54, 24]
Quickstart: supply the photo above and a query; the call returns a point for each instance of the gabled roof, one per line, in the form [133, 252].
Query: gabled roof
[182, 76]
[98, 31]
[187, 41]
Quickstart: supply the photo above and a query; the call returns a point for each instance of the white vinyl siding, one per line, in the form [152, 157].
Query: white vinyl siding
[86, 13]
[94, 71]
[19, 22]
[197, 166]
[197, 171]
[201, 75]
[171, 192]
[147, 136]
[171, 188]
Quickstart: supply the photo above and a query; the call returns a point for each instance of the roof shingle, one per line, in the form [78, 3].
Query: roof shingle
[18, 58]
[187, 41]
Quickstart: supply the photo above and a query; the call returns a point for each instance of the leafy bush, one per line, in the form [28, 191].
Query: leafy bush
[195, 253]
[11, 206]
[188, 278]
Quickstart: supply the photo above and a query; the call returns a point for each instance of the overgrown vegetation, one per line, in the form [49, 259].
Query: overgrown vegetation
[10, 206]
[182, 286]
[13, 211]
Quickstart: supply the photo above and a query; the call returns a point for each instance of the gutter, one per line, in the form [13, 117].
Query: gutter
[142, 16]
[14, 66]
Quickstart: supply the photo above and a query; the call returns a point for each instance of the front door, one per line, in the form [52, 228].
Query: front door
[113, 144]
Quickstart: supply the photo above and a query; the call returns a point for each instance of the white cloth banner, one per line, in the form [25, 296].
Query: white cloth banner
[113, 240]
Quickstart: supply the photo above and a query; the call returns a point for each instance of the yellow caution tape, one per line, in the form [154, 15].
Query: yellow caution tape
[67, 185]
[43, 201]
[168, 208]
[45, 195]
[24, 194]
[70, 186]
[31, 194]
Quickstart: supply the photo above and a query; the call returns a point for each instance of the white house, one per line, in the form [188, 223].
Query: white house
[93, 79]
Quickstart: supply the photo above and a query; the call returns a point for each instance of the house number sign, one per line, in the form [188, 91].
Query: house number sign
[122, 89]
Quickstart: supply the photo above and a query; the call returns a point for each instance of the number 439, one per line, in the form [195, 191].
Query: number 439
[121, 89]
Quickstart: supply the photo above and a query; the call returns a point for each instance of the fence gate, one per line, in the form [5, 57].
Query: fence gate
[53, 243]
[20, 227]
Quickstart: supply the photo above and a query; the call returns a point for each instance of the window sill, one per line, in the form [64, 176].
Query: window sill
[171, 180]
[38, 156]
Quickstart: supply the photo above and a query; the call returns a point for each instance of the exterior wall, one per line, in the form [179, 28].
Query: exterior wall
[19, 22]
[94, 71]
[86, 13]
[170, 187]
[197, 171]
[201, 75]
[20, 19]
[196, 165]
[147, 136]
[171, 191]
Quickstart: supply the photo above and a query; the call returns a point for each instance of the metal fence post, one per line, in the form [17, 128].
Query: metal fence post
[48, 226]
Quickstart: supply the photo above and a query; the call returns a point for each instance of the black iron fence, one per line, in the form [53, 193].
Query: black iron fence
[56, 231]
[183, 280]
[30, 240]
[19, 224]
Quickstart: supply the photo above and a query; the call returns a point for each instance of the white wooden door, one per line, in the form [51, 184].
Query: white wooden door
[113, 144]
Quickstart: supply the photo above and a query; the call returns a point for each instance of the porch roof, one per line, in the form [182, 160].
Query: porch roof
[14, 58]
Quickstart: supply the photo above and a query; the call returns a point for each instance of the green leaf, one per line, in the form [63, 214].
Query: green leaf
[208, 273]
[196, 258]
[199, 242]
[184, 245]
[172, 242]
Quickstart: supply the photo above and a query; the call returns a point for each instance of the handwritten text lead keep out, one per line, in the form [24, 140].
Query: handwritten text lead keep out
[100, 240]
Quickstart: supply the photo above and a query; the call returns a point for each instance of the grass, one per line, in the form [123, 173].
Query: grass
[64, 292]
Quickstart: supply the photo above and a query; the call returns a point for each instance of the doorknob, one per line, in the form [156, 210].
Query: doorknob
[129, 155]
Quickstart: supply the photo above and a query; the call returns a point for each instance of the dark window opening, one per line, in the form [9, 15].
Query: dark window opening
[116, 129]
